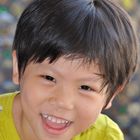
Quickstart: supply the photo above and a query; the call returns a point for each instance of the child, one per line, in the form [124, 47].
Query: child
[70, 59]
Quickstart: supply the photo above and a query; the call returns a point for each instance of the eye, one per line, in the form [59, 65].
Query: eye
[49, 78]
[87, 88]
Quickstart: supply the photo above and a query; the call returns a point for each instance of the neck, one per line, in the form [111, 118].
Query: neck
[22, 126]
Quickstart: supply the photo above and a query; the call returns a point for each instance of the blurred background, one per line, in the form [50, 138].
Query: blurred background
[126, 107]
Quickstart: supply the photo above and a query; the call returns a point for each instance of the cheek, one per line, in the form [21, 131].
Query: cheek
[30, 96]
[88, 113]
[33, 94]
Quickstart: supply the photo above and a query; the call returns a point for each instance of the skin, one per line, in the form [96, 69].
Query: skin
[63, 89]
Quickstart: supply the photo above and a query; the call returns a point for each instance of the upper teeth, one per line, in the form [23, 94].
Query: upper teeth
[54, 119]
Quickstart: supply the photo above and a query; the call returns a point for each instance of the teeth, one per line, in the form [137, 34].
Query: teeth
[49, 118]
[58, 121]
[63, 121]
[54, 119]
[45, 115]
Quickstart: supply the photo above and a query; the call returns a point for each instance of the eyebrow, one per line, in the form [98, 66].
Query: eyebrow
[99, 74]
[92, 79]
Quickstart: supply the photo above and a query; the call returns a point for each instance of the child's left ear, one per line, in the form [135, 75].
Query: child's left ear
[109, 104]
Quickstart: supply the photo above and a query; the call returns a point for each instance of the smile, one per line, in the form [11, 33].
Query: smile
[54, 119]
[55, 125]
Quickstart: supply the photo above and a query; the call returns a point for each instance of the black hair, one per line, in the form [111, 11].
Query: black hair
[92, 30]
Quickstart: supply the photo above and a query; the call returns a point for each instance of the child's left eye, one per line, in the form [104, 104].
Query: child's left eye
[85, 87]
[49, 78]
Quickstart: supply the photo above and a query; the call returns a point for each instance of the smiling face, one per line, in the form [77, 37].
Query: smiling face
[58, 100]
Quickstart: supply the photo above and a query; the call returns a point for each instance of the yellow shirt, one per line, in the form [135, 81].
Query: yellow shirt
[103, 129]
[7, 128]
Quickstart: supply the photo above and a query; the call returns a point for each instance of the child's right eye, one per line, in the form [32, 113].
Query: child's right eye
[86, 88]
[49, 78]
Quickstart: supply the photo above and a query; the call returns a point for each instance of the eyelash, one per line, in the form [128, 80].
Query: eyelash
[82, 87]
[49, 78]
[86, 88]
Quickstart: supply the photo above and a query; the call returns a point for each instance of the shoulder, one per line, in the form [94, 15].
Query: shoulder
[6, 99]
[7, 128]
[104, 129]
[7, 96]
[6, 102]
[109, 127]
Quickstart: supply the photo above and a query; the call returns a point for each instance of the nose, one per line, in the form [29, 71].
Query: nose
[62, 98]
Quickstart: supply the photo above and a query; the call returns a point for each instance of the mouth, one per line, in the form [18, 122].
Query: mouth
[55, 125]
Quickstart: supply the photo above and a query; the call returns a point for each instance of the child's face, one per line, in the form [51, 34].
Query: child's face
[61, 99]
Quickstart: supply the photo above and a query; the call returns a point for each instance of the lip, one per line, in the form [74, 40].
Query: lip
[56, 126]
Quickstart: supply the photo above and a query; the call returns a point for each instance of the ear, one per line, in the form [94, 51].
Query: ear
[109, 104]
[15, 76]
